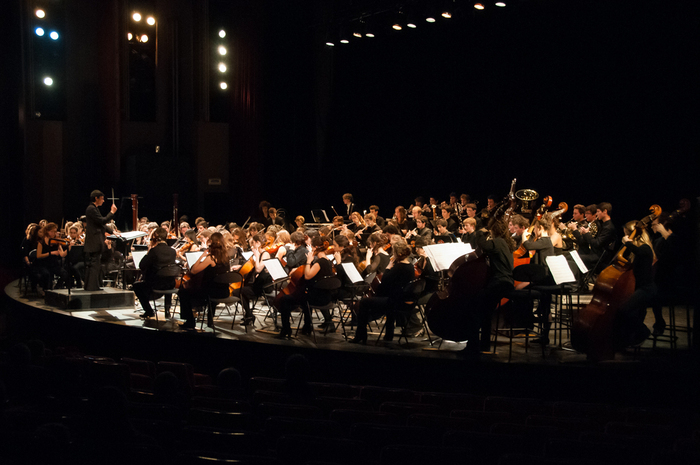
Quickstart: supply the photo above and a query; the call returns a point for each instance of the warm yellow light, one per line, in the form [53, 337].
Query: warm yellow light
[136, 16]
[144, 38]
[478, 6]
[223, 85]
[129, 36]
[222, 33]
[396, 27]
[222, 50]
[222, 67]
[151, 20]
[40, 14]
[446, 14]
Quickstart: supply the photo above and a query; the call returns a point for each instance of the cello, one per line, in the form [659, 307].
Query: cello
[592, 329]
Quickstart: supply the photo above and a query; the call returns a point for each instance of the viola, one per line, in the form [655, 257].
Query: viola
[244, 271]
[592, 329]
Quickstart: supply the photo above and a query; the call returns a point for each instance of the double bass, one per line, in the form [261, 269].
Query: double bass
[592, 329]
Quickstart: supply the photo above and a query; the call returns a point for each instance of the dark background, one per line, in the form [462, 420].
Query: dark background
[586, 101]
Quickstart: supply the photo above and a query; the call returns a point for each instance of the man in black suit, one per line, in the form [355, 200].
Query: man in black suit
[349, 206]
[159, 256]
[95, 229]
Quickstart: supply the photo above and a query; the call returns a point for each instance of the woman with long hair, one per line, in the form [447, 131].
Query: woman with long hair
[213, 262]
[49, 255]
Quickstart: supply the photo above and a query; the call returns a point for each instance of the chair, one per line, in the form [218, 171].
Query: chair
[411, 294]
[331, 285]
[223, 278]
[171, 271]
[529, 273]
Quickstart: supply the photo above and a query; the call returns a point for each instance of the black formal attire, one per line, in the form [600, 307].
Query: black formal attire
[604, 241]
[388, 300]
[377, 264]
[407, 225]
[470, 238]
[157, 258]
[669, 272]
[543, 248]
[48, 267]
[190, 298]
[364, 236]
[296, 257]
[349, 209]
[381, 222]
[630, 328]
[500, 281]
[94, 245]
[305, 292]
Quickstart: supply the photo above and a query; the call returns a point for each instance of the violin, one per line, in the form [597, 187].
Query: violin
[592, 329]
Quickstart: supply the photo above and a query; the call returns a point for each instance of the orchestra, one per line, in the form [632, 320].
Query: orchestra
[372, 244]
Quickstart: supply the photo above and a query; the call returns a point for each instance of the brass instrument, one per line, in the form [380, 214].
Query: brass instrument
[526, 196]
[593, 228]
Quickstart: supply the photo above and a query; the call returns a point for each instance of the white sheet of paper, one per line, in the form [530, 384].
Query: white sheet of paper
[127, 236]
[274, 267]
[561, 272]
[138, 256]
[577, 259]
[247, 255]
[441, 256]
[352, 273]
[192, 258]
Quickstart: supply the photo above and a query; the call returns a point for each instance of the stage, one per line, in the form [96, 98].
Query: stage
[120, 331]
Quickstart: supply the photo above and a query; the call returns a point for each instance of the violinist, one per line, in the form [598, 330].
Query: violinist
[74, 262]
[49, 255]
[159, 255]
[630, 329]
[29, 242]
[95, 239]
[377, 257]
[184, 227]
[212, 263]
[603, 241]
[297, 251]
[191, 244]
[499, 247]
[381, 222]
[388, 299]
[317, 267]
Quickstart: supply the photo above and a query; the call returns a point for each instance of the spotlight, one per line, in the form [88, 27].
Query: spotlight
[430, 19]
[222, 50]
[53, 35]
[144, 38]
[129, 36]
[344, 36]
[399, 21]
[369, 31]
[223, 86]
[222, 67]
[500, 4]
[136, 17]
[151, 20]
[39, 31]
[48, 81]
[478, 6]
[447, 10]
[330, 44]
[222, 33]
[40, 13]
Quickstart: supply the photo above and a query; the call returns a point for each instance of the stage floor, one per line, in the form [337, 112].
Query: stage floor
[265, 331]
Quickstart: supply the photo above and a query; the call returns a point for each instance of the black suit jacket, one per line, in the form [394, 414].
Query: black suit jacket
[95, 229]
[158, 257]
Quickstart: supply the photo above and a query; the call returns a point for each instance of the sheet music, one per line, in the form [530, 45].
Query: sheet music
[561, 271]
[128, 236]
[138, 256]
[192, 258]
[274, 267]
[247, 255]
[577, 259]
[352, 273]
[441, 256]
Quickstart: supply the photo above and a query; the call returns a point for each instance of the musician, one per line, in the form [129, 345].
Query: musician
[553, 233]
[578, 220]
[381, 222]
[422, 230]
[370, 228]
[518, 225]
[442, 235]
[357, 223]
[489, 210]
[214, 261]
[74, 264]
[95, 239]
[604, 240]
[468, 232]
[349, 206]
[49, 255]
[297, 251]
[377, 257]
[388, 299]
[668, 248]
[318, 266]
[498, 246]
[420, 203]
[274, 219]
[191, 244]
[338, 226]
[630, 329]
[471, 213]
[264, 213]
[159, 256]
[448, 214]
[402, 222]
[299, 220]
[462, 206]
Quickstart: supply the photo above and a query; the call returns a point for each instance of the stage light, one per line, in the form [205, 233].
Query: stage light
[223, 86]
[222, 50]
[53, 35]
[399, 21]
[48, 81]
[40, 13]
[369, 31]
[411, 21]
[501, 4]
[136, 17]
[222, 67]
[129, 36]
[430, 19]
[478, 6]
[222, 33]
[151, 20]
[330, 44]
[39, 31]
[144, 38]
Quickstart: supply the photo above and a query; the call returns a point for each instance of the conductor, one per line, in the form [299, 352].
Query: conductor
[95, 239]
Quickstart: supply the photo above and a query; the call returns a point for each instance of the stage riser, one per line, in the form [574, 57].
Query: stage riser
[88, 300]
